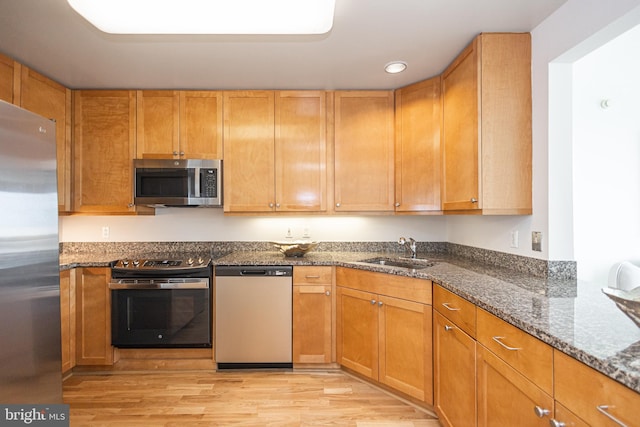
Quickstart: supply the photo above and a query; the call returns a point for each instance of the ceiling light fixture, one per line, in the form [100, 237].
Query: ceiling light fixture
[395, 67]
[208, 16]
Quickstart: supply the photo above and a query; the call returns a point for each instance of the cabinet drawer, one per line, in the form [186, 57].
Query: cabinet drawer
[409, 288]
[456, 309]
[591, 395]
[312, 275]
[525, 353]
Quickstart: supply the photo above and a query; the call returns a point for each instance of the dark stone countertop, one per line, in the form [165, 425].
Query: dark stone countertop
[572, 316]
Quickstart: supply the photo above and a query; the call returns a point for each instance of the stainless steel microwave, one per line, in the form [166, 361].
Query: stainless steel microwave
[169, 182]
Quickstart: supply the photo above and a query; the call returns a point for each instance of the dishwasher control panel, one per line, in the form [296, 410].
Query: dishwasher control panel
[254, 270]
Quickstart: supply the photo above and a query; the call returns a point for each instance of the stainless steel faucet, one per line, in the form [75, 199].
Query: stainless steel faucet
[411, 245]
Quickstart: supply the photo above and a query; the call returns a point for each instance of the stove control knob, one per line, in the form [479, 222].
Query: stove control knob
[200, 261]
[190, 261]
[125, 262]
[136, 263]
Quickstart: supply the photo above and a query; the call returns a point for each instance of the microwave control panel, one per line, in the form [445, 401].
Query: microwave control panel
[209, 183]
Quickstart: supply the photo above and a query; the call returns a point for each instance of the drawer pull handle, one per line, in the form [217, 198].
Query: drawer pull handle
[311, 277]
[498, 340]
[604, 409]
[448, 307]
[556, 423]
[448, 328]
[541, 412]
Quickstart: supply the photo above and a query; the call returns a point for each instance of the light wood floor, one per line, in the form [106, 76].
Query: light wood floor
[281, 398]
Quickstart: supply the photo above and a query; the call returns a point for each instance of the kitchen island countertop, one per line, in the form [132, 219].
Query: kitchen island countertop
[572, 316]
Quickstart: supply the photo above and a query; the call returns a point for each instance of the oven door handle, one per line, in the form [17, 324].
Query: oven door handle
[159, 284]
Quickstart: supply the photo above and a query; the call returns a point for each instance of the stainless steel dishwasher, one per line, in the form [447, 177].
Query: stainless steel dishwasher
[253, 316]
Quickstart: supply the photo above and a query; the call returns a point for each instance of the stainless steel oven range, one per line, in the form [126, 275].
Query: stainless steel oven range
[161, 303]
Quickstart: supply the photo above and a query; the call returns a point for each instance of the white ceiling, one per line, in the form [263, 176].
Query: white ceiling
[48, 36]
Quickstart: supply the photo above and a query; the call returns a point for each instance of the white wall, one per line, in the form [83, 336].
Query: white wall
[606, 157]
[575, 29]
[196, 224]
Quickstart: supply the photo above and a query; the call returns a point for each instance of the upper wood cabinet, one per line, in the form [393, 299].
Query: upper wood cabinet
[9, 78]
[417, 156]
[51, 100]
[275, 151]
[179, 124]
[487, 127]
[104, 147]
[364, 151]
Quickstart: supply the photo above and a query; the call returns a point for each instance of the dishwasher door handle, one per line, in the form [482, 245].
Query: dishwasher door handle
[253, 272]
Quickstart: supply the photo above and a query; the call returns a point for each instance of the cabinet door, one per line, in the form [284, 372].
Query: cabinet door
[312, 315]
[7, 78]
[68, 319]
[301, 151]
[506, 397]
[93, 306]
[454, 370]
[249, 183]
[405, 355]
[200, 125]
[364, 162]
[157, 124]
[49, 99]
[460, 183]
[417, 167]
[357, 331]
[104, 146]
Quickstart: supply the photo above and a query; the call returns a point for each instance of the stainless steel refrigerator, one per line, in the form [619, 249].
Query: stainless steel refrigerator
[30, 361]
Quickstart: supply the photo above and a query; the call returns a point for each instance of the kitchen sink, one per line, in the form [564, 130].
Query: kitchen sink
[408, 263]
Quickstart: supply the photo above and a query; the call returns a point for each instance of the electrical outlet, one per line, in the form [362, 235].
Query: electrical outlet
[288, 235]
[305, 233]
[105, 232]
[514, 238]
[536, 241]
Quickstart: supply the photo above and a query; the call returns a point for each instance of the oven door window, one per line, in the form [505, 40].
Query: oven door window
[161, 318]
[164, 182]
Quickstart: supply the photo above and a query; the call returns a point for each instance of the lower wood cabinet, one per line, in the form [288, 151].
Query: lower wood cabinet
[312, 314]
[68, 319]
[93, 307]
[383, 335]
[596, 399]
[454, 371]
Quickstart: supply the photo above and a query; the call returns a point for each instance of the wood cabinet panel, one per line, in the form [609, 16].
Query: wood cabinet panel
[487, 127]
[357, 331]
[454, 370]
[457, 309]
[405, 349]
[9, 78]
[312, 323]
[51, 100]
[68, 319]
[506, 397]
[93, 305]
[157, 125]
[301, 151]
[201, 124]
[364, 151]
[418, 119]
[312, 275]
[104, 147]
[592, 395]
[525, 353]
[249, 151]
[418, 290]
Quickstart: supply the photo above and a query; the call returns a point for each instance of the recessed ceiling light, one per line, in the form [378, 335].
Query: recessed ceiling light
[208, 16]
[395, 67]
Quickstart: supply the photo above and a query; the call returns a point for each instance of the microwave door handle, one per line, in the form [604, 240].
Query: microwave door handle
[197, 179]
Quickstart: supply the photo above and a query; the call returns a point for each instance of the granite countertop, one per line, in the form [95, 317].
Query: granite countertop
[572, 316]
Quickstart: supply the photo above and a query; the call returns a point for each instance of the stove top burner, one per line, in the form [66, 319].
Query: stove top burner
[162, 264]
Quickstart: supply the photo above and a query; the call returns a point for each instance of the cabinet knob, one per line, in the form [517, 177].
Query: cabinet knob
[175, 153]
[474, 200]
[448, 328]
[337, 205]
[379, 303]
[271, 205]
[373, 302]
[397, 204]
[182, 153]
[277, 205]
[541, 412]
[328, 293]
[556, 423]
